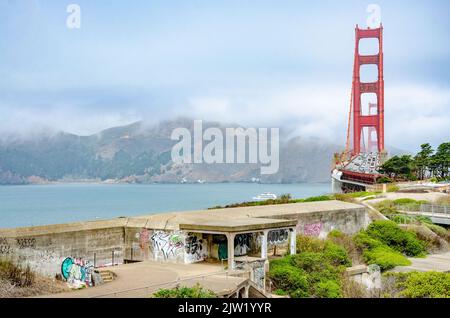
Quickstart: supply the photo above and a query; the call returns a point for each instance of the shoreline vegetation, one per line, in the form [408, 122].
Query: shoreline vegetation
[287, 198]
[318, 268]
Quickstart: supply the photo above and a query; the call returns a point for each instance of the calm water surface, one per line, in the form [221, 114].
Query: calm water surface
[51, 204]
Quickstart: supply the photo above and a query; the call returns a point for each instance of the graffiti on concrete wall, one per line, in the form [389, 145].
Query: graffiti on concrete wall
[167, 245]
[144, 237]
[312, 229]
[195, 248]
[242, 244]
[27, 242]
[77, 272]
[258, 275]
[5, 248]
[277, 237]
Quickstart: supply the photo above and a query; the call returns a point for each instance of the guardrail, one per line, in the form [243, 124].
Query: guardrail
[146, 291]
[425, 208]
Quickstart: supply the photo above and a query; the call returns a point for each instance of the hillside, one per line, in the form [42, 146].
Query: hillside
[140, 153]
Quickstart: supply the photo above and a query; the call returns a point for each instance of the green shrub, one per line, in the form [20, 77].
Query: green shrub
[314, 272]
[439, 230]
[185, 292]
[363, 194]
[309, 244]
[386, 207]
[310, 261]
[385, 257]
[347, 242]
[328, 289]
[344, 197]
[384, 179]
[337, 255]
[280, 292]
[420, 284]
[392, 188]
[402, 218]
[287, 277]
[334, 254]
[364, 241]
[404, 201]
[392, 235]
[423, 219]
[335, 234]
[426, 285]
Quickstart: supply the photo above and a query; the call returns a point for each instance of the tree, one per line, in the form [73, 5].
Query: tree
[422, 160]
[399, 167]
[440, 161]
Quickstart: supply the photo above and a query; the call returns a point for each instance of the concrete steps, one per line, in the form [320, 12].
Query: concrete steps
[107, 276]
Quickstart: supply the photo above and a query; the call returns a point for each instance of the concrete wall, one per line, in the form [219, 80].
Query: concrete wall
[167, 246]
[319, 224]
[46, 252]
[90, 244]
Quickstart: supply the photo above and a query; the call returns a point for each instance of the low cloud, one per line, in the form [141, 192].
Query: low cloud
[414, 114]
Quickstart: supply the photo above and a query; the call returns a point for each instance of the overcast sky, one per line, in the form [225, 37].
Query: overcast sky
[258, 63]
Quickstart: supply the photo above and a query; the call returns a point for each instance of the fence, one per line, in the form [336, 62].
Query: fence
[148, 290]
[425, 208]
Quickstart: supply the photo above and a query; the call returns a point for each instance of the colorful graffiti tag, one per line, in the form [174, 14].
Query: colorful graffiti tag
[277, 237]
[144, 236]
[312, 229]
[195, 248]
[77, 272]
[167, 245]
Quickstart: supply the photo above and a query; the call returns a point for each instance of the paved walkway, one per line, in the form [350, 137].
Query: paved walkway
[430, 196]
[434, 262]
[133, 280]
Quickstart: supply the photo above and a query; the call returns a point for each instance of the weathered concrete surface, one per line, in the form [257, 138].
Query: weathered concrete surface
[435, 262]
[144, 278]
[237, 225]
[100, 243]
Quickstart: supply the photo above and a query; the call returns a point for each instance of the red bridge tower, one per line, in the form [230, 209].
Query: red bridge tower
[374, 122]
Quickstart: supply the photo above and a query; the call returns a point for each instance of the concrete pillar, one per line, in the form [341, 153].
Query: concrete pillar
[247, 287]
[264, 244]
[230, 246]
[293, 241]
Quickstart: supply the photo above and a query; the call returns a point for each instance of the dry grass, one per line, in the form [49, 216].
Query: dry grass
[17, 281]
[444, 200]
[353, 289]
[347, 242]
[434, 243]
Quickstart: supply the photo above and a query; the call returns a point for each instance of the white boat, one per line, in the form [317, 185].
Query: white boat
[265, 196]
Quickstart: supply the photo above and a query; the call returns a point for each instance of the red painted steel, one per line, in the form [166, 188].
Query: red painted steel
[375, 122]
